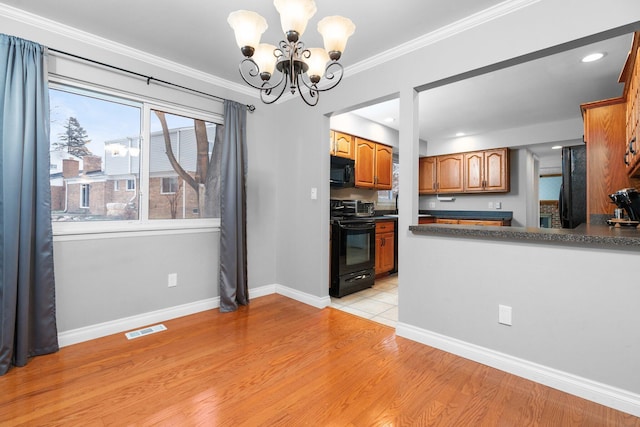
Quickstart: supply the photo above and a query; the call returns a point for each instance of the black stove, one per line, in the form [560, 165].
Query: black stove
[353, 246]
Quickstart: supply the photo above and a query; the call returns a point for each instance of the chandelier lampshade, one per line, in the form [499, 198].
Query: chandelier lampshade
[308, 71]
[335, 31]
[294, 15]
[248, 27]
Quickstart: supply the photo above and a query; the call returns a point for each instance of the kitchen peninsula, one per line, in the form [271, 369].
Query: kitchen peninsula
[587, 235]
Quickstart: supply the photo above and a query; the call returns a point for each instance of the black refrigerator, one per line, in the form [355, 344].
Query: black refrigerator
[573, 191]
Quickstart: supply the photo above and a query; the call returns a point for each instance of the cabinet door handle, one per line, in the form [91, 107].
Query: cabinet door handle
[626, 157]
[632, 150]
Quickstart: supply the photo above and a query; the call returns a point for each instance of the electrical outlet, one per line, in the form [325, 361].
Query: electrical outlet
[172, 280]
[432, 204]
[490, 205]
[498, 205]
[504, 314]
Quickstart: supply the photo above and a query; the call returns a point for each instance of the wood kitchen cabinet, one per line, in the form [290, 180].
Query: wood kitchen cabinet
[427, 175]
[494, 222]
[374, 165]
[631, 94]
[486, 171]
[472, 172]
[342, 145]
[440, 174]
[385, 246]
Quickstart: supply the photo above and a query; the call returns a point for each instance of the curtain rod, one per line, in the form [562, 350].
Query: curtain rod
[149, 79]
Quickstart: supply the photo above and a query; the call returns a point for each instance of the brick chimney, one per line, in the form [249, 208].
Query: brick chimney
[91, 163]
[70, 168]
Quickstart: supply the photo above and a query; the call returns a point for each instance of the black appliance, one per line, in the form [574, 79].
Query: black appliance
[342, 172]
[573, 190]
[353, 245]
[628, 200]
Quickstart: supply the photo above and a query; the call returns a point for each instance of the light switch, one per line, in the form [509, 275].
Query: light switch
[504, 314]
[314, 193]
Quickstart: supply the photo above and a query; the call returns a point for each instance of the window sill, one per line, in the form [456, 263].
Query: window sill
[101, 230]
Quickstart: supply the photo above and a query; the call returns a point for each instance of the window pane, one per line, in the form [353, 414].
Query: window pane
[86, 164]
[183, 168]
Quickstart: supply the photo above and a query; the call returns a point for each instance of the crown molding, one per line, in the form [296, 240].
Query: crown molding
[66, 31]
[460, 26]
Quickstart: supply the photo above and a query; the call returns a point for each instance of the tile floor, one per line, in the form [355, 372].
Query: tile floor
[378, 303]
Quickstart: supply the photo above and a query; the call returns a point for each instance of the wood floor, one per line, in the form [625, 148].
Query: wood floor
[279, 362]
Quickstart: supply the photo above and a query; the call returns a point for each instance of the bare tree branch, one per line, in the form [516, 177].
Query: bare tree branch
[172, 158]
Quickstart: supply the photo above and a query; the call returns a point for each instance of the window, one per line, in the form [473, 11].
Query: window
[84, 195]
[84, 126]
[169, 185]
[169, 168]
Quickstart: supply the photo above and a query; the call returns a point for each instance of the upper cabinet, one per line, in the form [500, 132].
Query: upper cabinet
[486, 171]
[631, 78]
[473, 172]
[374, 164]
[342, 145]
[449, 169]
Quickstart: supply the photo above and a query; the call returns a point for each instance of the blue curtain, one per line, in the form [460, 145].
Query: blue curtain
[233, 225]
[27, 292]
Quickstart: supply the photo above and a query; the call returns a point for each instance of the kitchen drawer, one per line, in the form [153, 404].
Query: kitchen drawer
[385, 226]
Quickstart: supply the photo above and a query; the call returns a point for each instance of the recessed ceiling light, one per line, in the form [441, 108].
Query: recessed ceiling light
[389, 120]
[556, 147]
[460, 134]
[593, 57]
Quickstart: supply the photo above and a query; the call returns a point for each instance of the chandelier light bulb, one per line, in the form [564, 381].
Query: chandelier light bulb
[294, 16]
[248, 27]
[265, 59]
[317, 63]
[335, 31]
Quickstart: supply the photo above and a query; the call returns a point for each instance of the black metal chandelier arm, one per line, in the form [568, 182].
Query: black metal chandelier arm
[254, 72]
[266, 91]
[313, 94]
[332, 77]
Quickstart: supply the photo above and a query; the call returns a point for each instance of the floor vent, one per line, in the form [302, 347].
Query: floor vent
[146, 331]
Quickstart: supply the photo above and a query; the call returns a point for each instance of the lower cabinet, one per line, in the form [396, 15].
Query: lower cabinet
[385, 246]
[495, 222]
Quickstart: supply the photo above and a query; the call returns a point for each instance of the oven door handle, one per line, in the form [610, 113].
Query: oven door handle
[361, 226]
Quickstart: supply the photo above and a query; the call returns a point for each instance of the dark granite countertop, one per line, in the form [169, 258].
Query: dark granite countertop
[584, 235]
[482, 215]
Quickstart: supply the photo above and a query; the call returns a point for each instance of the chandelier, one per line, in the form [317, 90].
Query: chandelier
[272, 69]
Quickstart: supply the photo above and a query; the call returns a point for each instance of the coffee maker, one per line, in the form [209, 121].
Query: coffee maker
[628, 200]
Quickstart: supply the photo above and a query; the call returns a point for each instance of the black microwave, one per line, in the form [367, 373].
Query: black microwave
[342, 172]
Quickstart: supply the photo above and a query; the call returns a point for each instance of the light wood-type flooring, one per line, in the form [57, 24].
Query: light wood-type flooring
[279, 362]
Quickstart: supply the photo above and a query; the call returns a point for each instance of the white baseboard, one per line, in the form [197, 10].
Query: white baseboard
[312, 300]
[603, 394]
[99, 330]
[91, 332]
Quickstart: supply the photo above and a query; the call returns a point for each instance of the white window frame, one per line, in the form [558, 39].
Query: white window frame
[116, 185]
[143, 225]
[133, 186]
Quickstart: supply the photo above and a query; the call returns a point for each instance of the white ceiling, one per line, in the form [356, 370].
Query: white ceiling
[195, 34]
